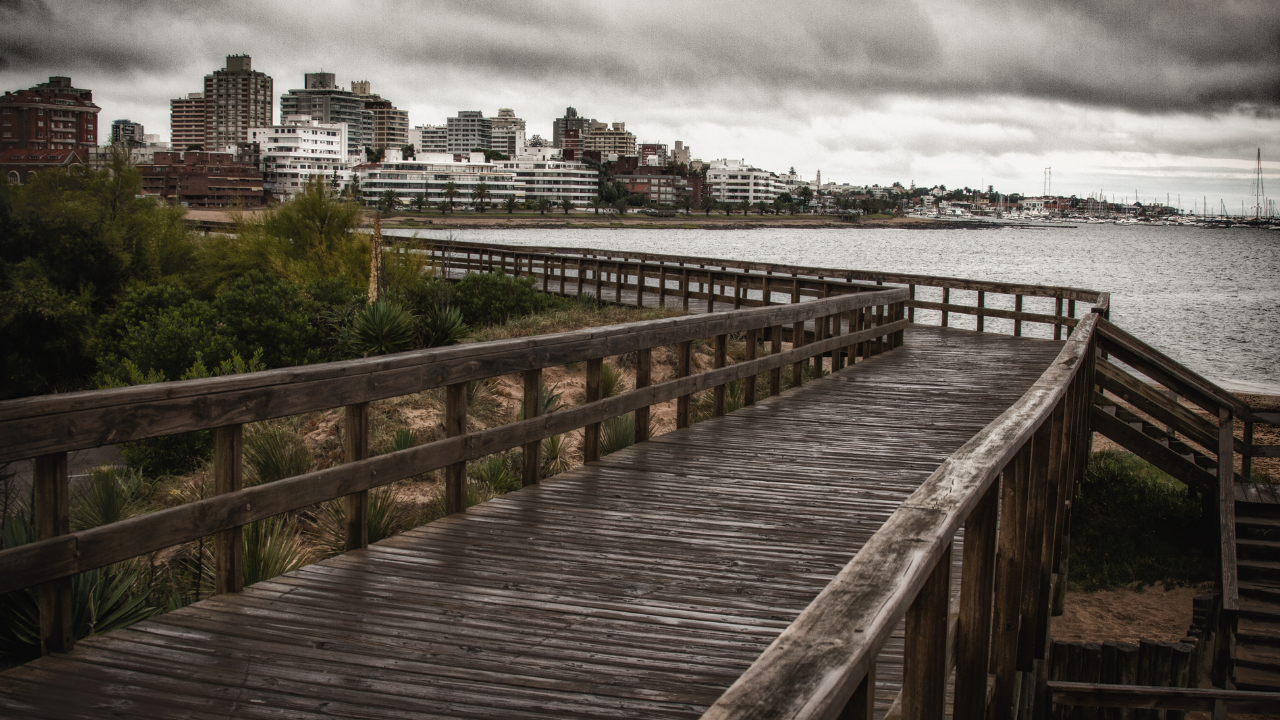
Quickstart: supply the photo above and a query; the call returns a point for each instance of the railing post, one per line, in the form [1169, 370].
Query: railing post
[640, 285]
[721, 358]
[946, 300]
[924, 652]
[563, 264]
[662, 284]
[973, 633]
[1057, 314]
[51, 510]
[1033, 541]
[711, 291]
[591, 434]
[862, 706]
[599, 281]
[1004, 640]
[684, 362]
[737, 291]
[644, 372]
[455, 425]
[1017, 324]
[684, 288]
[775, 347]
[531, 453]
[228, 476]
[1224, 650]
[1246, 460]
[819, 334]
[797, 340]
[766, 292]
[749, 389]
[355, 447]
[618, 281]
[546, 274]
[982, 303]
[911, 311]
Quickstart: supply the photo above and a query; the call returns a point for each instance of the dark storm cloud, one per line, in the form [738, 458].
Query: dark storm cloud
[1144, 56]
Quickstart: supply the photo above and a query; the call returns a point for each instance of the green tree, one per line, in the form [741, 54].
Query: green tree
[543, 206]
[420, 202]
[408, 152]
[620, 206]
[510, 204]
[744, 206]
[479, 195]
[451, 193]
[596, 203]
[389, 201]
[566, 204]
[805, 196]
[708, 204]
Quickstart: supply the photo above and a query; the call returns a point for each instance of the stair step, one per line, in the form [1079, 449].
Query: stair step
[1257, 522]
[1250, 549]
[1259, 610]
[1258, 633]
[1258, 569]
[1248, 678]
[1260, 591]
[1258, 656]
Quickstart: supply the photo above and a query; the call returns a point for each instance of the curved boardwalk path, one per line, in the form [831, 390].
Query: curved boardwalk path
[639, 586]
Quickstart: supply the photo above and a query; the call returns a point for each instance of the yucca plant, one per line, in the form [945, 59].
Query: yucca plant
[382, 327]
[619, 432]
[477, 390]
[111, 494]
[404, 439]
[610, 380]
[386, 517]
[735, 396]
[548, 401]
[498, 472]
[272, 547]
[102, 600]
[274, 453]
[441, 325]
[555, 455]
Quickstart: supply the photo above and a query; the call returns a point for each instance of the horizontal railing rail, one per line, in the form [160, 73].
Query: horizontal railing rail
[752, 283]
[846, 328]
[1007, 487]
[1213, 700]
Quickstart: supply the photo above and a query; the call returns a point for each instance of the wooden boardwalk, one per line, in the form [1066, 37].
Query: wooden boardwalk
[639, 586]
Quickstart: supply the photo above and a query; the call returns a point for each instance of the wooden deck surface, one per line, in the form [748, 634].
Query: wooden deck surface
[639, 586]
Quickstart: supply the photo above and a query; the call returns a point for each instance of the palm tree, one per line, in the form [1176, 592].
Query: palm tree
[596, 203]
[686, 203]
[708, 204]
[450, 192]
[510, 204]
[566, 204]
[621, 206]
[479, 194]
[389, 201]
[544, 205]
[761, 207]
[420, 202]
[745, 207]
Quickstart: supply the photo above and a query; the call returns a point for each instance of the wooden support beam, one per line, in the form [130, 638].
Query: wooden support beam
[531, 453]
[924, 654]
[684, 365]
[797, 340]
[946, 300]
[684, 289]
[591, 434]
[355, 447]
[1057, 311]
[862, 706]
[775, 347]
[982, 303]
[1033, 541]
[662, 284]
[228, 476]
[644, 376]
[749, 391]
[640, 285]
[1009, 567]
[721, 359]
[977, 592]
[455, 424]
[51, 511]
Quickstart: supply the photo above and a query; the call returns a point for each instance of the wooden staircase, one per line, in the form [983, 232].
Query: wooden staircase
[1258, 560]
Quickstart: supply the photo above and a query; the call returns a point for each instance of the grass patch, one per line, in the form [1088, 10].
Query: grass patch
[1133, 524]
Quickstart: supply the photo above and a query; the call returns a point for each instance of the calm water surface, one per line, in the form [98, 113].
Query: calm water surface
[1207, 297]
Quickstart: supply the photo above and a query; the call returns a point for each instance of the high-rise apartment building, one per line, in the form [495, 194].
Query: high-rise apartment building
[470, 130]
[430, 138]
[236, 98]
[127, 132]
[49, 116]
[322, 100]
[300, 148]
[186, 121]
[390, 126]
[680, 154]
[570, 121]
[609, 139]
[508, 133]
[652, 153]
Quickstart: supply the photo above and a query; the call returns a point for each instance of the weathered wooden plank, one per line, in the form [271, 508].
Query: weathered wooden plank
[228, 477]
[51, 513]
[531, 470]
[1162, 698]
[455, 425]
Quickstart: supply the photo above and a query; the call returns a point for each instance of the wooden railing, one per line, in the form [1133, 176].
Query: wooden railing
[45, 428]
[1215, 437]
[1007, 487]
[607, 275]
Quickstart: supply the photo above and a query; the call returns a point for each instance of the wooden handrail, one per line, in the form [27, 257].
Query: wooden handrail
[1163, 698]
[814, 667]
[67, 554]
[1054, 291]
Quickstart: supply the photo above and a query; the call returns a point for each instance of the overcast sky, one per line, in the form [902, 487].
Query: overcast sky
[1116, 95]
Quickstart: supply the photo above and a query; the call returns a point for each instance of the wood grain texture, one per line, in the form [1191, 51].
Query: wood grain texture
[228, 477]
[642, 585]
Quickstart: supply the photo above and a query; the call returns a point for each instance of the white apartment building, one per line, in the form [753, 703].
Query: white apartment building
[429, 139]
[299, 149]
[508, 133]
[469, 130]
[733, 181]
[431, 173]
[543, 175]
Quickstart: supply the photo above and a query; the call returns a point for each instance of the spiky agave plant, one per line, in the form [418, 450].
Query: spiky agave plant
[382, 327]
[386, 517]
[498, 472]
[111, 494]
[619, 432]
[441, 325]
[275, 453]
[272, 547]
[610, 380]
[555, 455]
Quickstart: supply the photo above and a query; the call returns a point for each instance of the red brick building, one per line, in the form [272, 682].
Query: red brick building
[49, 116]
[203, 179]
[17, 164]
[660, 184]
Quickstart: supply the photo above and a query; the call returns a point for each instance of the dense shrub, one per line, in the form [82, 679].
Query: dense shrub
[1133, 524]
[259, 310]
[492, 298]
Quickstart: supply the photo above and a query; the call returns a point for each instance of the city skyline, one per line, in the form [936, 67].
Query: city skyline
[1153, 98]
